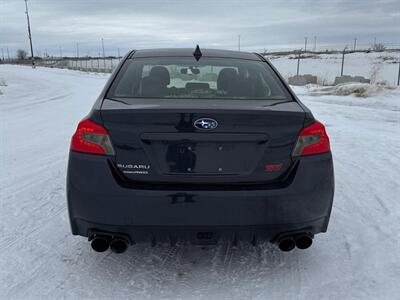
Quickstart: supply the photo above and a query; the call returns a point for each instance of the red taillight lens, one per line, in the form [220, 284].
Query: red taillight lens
[312, 140]
[91, 138]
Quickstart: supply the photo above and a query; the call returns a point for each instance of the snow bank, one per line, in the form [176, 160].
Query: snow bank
[354, 89]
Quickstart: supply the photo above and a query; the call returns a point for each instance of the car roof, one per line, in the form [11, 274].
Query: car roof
[187, 52]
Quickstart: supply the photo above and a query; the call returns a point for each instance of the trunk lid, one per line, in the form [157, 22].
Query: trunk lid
[159, 142]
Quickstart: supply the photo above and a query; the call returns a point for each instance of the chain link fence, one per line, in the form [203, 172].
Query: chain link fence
[107, 64]
[86, 64]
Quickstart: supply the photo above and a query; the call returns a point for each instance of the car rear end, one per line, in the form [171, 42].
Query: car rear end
[201, 150]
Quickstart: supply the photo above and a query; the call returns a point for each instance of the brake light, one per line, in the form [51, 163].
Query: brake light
[312, 140]
[90, 137]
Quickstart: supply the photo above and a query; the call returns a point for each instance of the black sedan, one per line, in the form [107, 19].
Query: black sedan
[200, 146]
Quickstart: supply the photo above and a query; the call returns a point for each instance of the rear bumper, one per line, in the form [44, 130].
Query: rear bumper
[97, 201]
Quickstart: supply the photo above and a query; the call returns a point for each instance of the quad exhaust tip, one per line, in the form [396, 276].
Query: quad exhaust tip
[288, 243]
[100, 244]
[303, 242]
[118, 245]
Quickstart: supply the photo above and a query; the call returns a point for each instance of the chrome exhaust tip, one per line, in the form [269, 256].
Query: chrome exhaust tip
[303, 242]
[100, 244]
[118, 245]
[286, 244]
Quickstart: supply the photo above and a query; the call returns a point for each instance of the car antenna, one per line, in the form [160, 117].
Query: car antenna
[197, 53]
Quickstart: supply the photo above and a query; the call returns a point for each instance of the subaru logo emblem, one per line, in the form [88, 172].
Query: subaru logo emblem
[205, 123]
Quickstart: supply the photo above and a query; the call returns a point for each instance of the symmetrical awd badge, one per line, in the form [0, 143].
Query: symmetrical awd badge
[205, 123]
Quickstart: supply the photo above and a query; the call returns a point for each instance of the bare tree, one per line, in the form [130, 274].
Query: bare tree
[21, 54]
[379, 47]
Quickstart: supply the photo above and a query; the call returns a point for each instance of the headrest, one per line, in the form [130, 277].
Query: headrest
[160, 74]
[226, 78]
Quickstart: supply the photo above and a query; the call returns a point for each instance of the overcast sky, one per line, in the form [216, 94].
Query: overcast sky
[213, 24]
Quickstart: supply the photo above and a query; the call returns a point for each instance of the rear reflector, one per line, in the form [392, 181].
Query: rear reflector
[312, 140]
[91, 138]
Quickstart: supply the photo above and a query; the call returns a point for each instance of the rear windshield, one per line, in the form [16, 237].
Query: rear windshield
[208, 78]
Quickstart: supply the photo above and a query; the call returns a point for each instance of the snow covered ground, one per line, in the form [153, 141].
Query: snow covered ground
[377, 66]
[359, 257]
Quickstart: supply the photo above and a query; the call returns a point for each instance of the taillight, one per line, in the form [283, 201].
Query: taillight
[90, 137]
[312, 140]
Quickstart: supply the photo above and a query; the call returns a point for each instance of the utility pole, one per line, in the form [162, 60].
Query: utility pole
[104, 54]
[8, 54]
[374, 41]
[60, 52]
[2, 54]
[29, 33]
[355, 44]
[315, 43]
[239, 42]
[77, 50]
[298, 63]
[341, 71]
[398, 76]
[305, 44]
[102, 46]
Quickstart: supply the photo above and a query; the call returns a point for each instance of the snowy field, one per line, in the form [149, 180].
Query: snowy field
[359, 257]
[377, 66]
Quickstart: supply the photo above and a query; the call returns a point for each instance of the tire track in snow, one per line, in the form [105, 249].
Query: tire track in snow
[18, 106]
[357, 259]
[11, 241]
